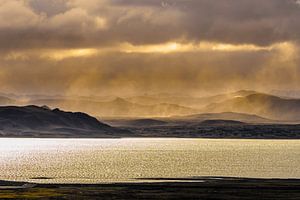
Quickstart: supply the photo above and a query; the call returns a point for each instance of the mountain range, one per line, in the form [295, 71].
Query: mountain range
[266, 106]
[43, 122]
[116, 108]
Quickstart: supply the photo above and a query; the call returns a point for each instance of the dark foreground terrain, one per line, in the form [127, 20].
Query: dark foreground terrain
[33, 121]
[242, 131]
[206, 188]
[210, 125]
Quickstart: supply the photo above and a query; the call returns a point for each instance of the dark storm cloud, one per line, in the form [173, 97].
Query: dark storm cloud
[78, 23]
[49, 7]
[230, 21]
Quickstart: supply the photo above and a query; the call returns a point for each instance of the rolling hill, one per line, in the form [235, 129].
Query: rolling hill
[247, 118]
[34, 121]
[265, 105]
[136, 122]
[221, 123]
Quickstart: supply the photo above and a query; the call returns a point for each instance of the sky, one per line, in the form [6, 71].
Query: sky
[130, 47]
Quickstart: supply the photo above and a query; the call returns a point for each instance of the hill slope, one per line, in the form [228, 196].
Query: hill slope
[247, 118]
[269, 106]
[135, 122]
[34, 121]
[215, 122]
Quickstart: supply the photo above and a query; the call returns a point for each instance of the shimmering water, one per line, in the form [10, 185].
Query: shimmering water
[124, 160]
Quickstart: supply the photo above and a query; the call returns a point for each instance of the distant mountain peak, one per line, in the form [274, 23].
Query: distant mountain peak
[244, 93]
[45, 107]
[120, 100]
[265, 105]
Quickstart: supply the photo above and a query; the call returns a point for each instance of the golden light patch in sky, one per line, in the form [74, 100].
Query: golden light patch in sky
[286, 48]
[190, 47]
[51, 54]
[159, 48]
[71, 53]
[101, 23]
[231, 47]
[15, 55]
[288, 51]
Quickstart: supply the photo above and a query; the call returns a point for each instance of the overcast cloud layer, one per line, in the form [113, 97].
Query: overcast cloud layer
[124, 47]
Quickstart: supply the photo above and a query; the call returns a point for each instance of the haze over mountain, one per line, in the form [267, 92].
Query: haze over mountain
[268, 106]
[246, 102]
[34, 121]
[286, 93]
[238, 104]
[191, 120]
[189, 101]
[117, 107]
[147, 99]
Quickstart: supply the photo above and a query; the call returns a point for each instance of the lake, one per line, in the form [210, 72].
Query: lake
[127, 160]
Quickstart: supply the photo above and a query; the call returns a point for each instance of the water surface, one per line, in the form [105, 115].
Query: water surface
[125, 160]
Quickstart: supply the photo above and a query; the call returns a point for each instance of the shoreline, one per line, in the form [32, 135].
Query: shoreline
[183, 188]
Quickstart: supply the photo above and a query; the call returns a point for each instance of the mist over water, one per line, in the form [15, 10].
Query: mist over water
[126, 160]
